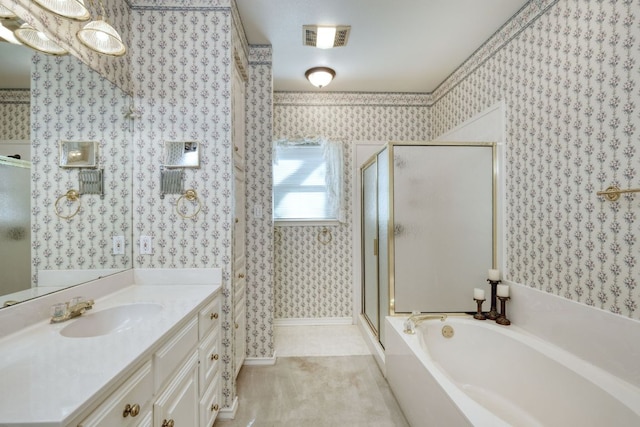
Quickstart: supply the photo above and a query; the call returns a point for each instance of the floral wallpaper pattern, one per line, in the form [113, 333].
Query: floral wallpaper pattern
[14, 113]
[182, 59]
[570, 82]
[567, 71]
[63, 31]
[71, 102]
[258, 152]
[322, 286]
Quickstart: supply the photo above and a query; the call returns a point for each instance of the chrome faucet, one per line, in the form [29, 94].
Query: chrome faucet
[68, 310]
[417, 318]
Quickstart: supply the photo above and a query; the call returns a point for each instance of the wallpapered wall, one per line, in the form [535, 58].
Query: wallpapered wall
[260, 301]
[570, 81]
[182, 58]
[568, 73]
[63, 31]
[322, 285]
[14, 114]
[71, 102]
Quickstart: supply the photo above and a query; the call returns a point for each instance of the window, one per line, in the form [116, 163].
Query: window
[307, 181]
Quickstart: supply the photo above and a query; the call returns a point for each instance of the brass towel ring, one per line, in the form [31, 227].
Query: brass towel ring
[324, 236]
[191, 196]
[71, 196]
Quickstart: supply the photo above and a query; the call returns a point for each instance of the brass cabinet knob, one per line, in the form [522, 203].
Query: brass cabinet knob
[237, 148]
[214, 356]
[237, 326]
[215, 407]
[213, 316]
[237, 220]
[132, 410]
[167, 423]
[241, 276]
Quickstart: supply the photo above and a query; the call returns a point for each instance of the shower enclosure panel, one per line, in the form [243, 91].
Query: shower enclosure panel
[15, 229]
[428, 228]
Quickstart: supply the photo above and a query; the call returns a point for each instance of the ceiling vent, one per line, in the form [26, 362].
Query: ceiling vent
[310, 35]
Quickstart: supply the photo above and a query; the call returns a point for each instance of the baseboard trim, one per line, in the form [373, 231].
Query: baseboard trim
[318, 321]
[229, 413]
[260, 361]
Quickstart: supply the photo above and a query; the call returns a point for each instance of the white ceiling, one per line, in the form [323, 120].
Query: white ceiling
[394, 46]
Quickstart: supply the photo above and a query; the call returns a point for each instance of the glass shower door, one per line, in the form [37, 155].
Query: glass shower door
[15, 228]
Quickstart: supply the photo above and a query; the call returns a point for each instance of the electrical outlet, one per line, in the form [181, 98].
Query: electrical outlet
[145, 245]
[257, 211]
[118, 245]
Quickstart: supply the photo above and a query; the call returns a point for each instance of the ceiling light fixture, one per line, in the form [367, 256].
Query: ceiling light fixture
[7, 34]
[325, 36]
[320, 76]
[72, 9]
[38, 40]
[6, 13]
[101, 37]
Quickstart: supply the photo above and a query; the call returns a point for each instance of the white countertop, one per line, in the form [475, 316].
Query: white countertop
[46, 379]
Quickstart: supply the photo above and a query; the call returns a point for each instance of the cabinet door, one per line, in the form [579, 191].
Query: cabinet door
[179, 400]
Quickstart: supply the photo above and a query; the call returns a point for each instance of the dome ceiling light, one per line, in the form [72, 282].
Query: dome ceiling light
[6, 13]
[38, 40]
[101, 37]
[72, 9]
[320, 76]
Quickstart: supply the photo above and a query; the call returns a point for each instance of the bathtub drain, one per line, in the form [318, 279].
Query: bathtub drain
[447, 331]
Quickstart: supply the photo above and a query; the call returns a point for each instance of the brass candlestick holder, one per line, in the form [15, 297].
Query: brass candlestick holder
[493, 312]
[479, 314]
[502, 320]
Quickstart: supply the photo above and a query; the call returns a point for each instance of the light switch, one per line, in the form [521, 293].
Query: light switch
[257, 211]
[145, 245]
[118, 245]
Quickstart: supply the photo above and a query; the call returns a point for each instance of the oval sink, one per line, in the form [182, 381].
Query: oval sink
[110, 320]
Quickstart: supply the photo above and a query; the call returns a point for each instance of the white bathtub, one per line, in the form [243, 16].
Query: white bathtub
[491, 375]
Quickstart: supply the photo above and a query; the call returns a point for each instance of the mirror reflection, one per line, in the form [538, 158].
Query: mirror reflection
[181, 154]
[45, 100]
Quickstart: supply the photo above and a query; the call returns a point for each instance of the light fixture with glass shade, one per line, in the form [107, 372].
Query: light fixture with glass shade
[38, 40]
[320, 76]
[72, 9]
[6, 13]
[101, 37]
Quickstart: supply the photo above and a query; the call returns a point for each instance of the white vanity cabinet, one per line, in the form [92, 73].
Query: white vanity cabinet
[177, 385]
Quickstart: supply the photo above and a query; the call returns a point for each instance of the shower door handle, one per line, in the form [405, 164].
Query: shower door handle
[375, 247]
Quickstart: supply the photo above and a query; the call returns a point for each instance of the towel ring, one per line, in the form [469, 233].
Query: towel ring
[324, 236]
[277, 236]
[191, 196]
[71, 196]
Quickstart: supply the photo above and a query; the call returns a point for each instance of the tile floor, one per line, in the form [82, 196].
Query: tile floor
[324, 376]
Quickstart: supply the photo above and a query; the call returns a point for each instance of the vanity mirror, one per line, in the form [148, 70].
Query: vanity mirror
[67, 102]
[181, 154]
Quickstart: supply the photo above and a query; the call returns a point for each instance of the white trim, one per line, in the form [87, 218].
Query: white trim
[229, 413]
[316, 321]
[260, 361]
[372, 342]
[305, 223]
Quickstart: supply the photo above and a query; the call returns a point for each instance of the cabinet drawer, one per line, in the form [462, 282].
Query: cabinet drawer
[166, 360]
[209, 317]
[137, 390]
[209, 351]
[210, 403]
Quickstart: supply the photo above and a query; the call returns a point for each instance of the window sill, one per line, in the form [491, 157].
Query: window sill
[306, 223]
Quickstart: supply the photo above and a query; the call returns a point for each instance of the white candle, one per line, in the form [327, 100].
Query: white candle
[494, 274]
[478, 293]
[503, 291]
